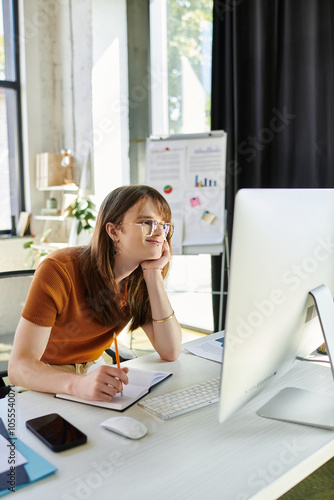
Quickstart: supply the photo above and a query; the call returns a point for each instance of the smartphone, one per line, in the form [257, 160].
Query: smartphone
[56, 432]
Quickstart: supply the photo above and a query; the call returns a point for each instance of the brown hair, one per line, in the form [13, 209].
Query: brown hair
[97, 260]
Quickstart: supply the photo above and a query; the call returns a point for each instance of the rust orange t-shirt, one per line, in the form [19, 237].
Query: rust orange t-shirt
[57, 298]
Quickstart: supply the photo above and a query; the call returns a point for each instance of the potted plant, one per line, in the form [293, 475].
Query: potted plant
[83, 209]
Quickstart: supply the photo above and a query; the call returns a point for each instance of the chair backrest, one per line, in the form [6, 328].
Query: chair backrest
[14, 286]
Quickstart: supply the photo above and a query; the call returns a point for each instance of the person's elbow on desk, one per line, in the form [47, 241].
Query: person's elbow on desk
[26, 369]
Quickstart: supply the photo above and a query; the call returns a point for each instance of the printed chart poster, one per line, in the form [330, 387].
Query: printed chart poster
[190, 173]
[165, 167]
[204, 216]
[206, 163]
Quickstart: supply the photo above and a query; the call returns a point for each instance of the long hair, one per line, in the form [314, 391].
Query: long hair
[97, 260]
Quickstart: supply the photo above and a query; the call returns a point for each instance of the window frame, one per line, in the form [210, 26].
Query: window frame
[15, 145]
[160, 96]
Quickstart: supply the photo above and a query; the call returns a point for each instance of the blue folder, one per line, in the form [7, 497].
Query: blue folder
[36, 468]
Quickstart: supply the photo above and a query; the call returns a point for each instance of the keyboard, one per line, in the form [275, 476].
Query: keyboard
[173, 404]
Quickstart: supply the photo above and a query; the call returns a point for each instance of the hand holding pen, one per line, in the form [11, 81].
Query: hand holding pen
[117, 354]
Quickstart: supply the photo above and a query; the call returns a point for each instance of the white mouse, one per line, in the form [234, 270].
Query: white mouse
[126, 426]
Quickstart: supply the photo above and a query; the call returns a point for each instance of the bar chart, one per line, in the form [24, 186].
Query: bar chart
[205, 182]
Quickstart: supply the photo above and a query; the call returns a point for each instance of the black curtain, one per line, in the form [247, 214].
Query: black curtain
[273, 93]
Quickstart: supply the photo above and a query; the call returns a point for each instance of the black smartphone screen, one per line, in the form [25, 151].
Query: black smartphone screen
[56, 432]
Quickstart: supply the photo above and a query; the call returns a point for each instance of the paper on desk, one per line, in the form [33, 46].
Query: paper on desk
[21, 476]
[209, 349]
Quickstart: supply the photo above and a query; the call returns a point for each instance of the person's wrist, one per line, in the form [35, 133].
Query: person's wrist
[152, 275]
[152, 268]
[74, 381]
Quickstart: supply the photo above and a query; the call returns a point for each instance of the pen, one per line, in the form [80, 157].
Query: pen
[117, 355]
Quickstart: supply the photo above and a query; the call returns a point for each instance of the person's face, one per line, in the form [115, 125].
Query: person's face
[132, 242]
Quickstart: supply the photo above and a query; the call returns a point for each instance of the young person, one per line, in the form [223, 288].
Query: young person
[81, 296]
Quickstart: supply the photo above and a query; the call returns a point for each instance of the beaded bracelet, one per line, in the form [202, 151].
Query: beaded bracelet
[163, 320]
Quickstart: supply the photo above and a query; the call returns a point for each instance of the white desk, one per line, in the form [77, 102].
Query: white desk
[188, 457]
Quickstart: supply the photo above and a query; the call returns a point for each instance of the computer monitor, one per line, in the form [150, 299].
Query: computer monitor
[282, 247]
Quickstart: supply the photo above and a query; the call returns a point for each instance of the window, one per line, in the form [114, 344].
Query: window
[11, 179]
[180, 64]
[180, 54]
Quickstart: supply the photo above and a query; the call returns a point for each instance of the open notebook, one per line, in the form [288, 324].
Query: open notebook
[140, 383]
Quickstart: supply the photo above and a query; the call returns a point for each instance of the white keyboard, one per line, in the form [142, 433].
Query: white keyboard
[172, 404]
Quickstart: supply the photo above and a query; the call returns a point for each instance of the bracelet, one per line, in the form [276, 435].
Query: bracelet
[163, 320]
[152, 268]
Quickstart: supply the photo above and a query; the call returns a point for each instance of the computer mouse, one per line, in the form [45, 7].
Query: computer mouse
[125, 426]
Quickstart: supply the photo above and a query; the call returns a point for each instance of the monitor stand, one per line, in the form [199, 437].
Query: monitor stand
[301, 406]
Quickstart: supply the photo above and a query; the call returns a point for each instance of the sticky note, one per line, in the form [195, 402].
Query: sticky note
[208, 217]
[194, 202]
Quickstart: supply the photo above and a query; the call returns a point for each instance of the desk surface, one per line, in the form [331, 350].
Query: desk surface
[188, 457]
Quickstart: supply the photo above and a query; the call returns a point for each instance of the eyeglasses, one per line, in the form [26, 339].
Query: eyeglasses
[149, 226]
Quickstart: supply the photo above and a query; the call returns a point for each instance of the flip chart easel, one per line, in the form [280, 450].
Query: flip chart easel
[189, 170]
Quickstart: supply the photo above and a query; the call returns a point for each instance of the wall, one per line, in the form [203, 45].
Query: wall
[75, 89]
[56, 67]
[110, 95]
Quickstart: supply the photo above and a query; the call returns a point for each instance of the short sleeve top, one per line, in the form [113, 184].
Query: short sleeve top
[57, 299]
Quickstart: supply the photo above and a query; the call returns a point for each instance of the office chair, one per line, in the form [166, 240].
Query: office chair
[14, 286]
[124, 353]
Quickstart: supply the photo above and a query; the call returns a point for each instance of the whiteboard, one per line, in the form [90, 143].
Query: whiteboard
[189, 170]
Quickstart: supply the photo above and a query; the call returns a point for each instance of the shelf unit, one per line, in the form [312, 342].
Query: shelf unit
[57, 192]
[64, 187]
